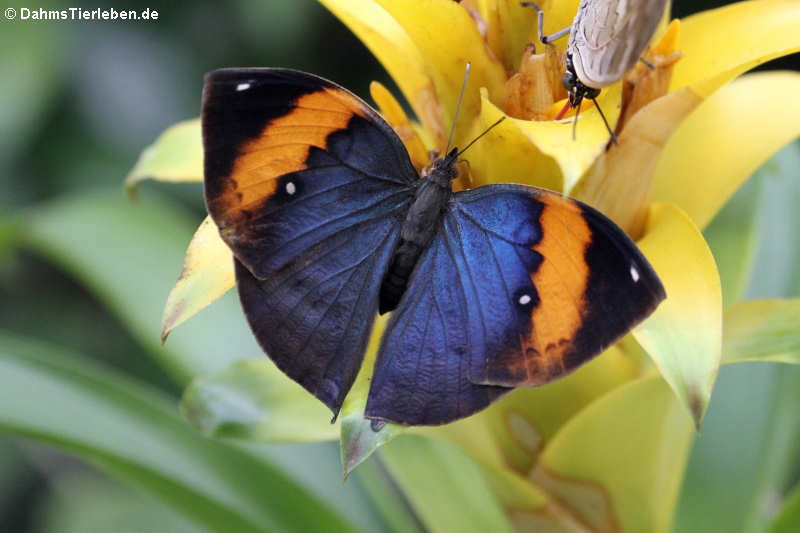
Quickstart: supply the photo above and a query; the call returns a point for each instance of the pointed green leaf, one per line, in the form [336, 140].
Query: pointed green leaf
[618, 464]
[445, 486]
[360, 437]
[254, 400]
[684, 334]
[134, 432]
[207, 274]
[762, 330]
[177, 155]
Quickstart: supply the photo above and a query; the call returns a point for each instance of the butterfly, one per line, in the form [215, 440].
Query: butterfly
[329, 223]
[606, 39]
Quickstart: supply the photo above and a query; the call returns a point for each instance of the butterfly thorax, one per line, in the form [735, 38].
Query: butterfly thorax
[432, 196]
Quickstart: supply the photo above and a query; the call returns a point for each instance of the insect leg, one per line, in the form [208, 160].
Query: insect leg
[647, 63]
[575, 121]
[545, 38]
[603, 116]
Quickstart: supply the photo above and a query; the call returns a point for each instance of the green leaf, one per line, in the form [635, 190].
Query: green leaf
[83, 501]
[788, 521]
[778, 252]
[128, 254]
[177, 155]
[387, 498]
[30, 79]
[254, 400]
[446, 488]
[747, 451]
[684, 334]
[732, 236]
[133, 432]
[762, 330]
[359, 436]
[618, 464]
[207, 274]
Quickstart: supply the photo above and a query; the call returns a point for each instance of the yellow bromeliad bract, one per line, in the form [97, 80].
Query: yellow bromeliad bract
[605, 448]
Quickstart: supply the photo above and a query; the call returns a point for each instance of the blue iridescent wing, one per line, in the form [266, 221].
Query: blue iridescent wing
[520, 287]
[309, 187]
[421, 376]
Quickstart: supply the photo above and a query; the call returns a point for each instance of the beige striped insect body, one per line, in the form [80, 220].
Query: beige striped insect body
[606, 39]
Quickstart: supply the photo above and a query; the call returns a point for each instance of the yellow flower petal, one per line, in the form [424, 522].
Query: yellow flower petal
[645, 83]
[446, 53]
[618, 464]
[393, 112]
[207, 274]
[507, 155]
[177, 155]
[620, 181]
[733, 39]
[684, 334]
[511, 27]
[539, 153]
[727, 138]
[393, 47]
[524, 421]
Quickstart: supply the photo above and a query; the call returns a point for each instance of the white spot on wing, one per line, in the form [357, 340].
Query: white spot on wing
[524, 299]
[291, 188]
[242, 86]
[634, 274]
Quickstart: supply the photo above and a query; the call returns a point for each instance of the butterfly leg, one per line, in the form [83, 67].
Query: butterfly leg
[545, 38]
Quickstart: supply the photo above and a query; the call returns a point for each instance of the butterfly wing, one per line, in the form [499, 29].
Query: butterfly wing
[309, 187]
[553, 281]
[520, 287]
[421, 376]
[609, 37]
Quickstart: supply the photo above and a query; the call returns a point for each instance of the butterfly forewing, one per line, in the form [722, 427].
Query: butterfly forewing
[309, 187]
[609, 36]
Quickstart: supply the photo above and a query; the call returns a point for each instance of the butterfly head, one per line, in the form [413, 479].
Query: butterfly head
[576, 90]
[442, 170]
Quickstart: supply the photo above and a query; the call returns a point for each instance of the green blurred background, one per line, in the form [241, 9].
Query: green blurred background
[78, 103]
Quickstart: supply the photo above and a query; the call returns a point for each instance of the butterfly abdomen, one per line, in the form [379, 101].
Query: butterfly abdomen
[424, 218]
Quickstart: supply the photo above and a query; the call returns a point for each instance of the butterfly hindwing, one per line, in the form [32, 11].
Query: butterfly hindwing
[550, 283]
[309, 187]
[421, 376]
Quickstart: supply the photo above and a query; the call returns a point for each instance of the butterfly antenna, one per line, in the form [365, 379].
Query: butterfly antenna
[458, 107]
[613, 137]
[487, 130]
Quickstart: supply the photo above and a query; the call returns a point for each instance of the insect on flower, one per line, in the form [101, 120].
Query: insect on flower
[493, 288]
[606, 39]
